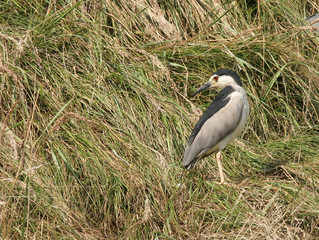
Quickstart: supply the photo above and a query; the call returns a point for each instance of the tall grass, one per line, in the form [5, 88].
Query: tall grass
[96, 109]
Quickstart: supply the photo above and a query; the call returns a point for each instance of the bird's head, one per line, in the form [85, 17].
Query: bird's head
[220, 79]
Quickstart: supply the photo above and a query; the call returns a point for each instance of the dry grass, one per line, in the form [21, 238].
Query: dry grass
[96, 111]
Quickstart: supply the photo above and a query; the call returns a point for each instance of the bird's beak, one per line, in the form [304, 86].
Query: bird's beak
[202, 88]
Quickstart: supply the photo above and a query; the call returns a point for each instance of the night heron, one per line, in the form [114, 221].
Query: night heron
[222, 121]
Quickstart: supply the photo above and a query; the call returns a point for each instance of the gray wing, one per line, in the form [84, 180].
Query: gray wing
[219, 102]
[214, 129]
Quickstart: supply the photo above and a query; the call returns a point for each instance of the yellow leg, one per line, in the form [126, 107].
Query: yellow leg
[220, 167]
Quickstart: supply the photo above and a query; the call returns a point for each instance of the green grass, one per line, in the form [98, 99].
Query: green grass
[96, 110]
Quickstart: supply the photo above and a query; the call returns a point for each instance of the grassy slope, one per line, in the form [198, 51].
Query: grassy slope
[95, 103]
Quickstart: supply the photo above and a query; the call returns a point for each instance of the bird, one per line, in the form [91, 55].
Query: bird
[221, 123]
[313, 21]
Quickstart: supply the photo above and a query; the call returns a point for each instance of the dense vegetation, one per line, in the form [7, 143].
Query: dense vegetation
[96, 110]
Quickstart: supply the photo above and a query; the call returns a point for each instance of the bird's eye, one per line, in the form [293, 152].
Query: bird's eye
[216, 78]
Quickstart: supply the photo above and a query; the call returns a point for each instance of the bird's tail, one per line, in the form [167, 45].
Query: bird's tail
[190, 165]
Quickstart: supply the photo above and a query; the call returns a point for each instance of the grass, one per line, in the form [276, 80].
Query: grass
[96, 110]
